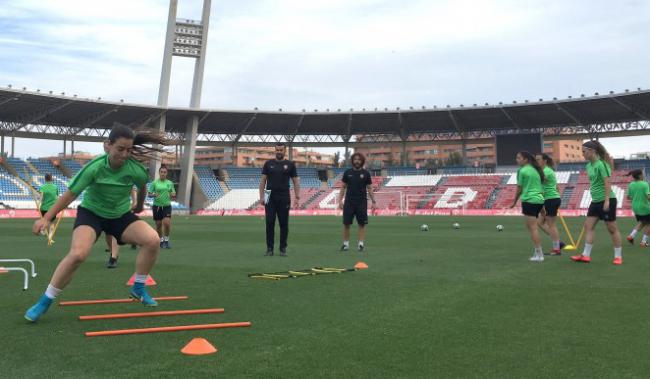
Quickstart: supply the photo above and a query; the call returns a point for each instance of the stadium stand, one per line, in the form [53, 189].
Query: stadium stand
[208, 182]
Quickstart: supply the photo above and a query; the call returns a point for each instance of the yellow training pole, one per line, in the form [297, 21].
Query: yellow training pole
[566, 229]
[50, 237]
[582, 232]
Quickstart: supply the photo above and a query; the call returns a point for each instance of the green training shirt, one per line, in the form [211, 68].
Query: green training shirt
[550, 184]
[531, 185]
[108, 191]
[638, 192]
[597, 172]
[49, 192]
[164, 189]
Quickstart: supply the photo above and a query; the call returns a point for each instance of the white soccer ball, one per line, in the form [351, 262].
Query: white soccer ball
[500, 227]
[456, 225]
[424, 228]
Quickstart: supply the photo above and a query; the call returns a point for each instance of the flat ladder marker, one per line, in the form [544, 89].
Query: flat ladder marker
[113, 301]
[163, 329]
[151, 314]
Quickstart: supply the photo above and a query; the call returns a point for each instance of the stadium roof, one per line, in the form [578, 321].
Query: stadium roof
[38, 115]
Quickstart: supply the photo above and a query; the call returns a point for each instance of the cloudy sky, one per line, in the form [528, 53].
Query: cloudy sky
[319, 54]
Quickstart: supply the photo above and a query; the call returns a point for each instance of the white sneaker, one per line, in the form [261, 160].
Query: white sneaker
[537, 258]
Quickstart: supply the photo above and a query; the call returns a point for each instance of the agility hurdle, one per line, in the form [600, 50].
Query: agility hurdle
[168, 329]
[4, 270]
[151, 314]
[31, 262]
[113, 301]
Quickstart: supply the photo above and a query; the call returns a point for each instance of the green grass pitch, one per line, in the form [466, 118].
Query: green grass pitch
[444, 303]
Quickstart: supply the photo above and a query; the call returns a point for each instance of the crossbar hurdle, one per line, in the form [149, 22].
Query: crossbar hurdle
[26, 275]
[31, 262]
[113, 301]
[151, 314]
[168, 329]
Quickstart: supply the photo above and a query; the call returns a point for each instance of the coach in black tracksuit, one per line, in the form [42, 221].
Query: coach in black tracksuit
[275, 178]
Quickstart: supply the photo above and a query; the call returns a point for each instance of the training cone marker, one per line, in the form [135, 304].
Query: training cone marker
[361, 266]
[149, 282]
[3, 270]
[199, 346]
[569, 247]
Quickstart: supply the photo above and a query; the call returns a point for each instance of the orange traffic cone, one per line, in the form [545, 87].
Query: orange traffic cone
[3, 270]
[361, 266]
[149, 282]
[199, 346]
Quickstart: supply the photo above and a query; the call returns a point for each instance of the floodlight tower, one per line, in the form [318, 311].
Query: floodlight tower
[184, 38]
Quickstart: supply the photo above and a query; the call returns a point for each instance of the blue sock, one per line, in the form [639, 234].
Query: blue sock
[138, 287]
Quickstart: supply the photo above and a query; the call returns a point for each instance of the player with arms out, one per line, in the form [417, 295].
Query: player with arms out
[357, 186]
[162, 190]
[275, 196]
[603, 201]
[107, 181]
[639, 193]
[530, 177]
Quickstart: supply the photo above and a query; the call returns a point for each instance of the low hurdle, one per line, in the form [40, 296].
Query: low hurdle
[4, 270]
[20, 269]
[113, 301]
[168, 329]
[31, 263]
[151, 314]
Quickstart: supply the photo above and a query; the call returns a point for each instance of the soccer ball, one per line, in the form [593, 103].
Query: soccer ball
[500, 227]
[424, 228]
[456, 225]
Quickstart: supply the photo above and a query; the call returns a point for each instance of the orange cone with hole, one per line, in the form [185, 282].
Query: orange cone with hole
[199, 346]
[361, 266]
[149, 282]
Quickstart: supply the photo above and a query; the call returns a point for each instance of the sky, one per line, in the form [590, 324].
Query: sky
[320, 54]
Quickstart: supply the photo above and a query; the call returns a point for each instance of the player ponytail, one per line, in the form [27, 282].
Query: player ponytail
[601, 151]
[636, 174]
[548, 160]
[141, 138]
[533, 162]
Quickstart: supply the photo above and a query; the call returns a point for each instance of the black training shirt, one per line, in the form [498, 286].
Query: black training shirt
[278, 174]
[357, 180]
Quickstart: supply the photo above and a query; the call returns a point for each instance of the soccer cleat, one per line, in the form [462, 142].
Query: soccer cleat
[142, 295]
[38, 309]
[562, 245]
[112, 263]
[617, 261]
[630, 239]
[345, 247]
[536, 258]
[167, 245]
[361, 247]
[269, 253]
[581, 258]
[643, 244]
[162, 244]
[555, 252]
[283, 252]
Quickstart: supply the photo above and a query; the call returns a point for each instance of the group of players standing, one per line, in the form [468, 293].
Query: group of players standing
[540, 196]
[108, 181]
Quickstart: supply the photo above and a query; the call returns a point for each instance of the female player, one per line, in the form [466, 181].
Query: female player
[552, 202]
[162, 190]
[106, 207]
[639, 192]
[529, 187]
[603, 200]
[49, 193]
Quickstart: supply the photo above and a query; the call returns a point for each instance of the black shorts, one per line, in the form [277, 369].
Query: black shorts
[113, 226]
[160, 213]
[355, 209]
[596, 210]
[552, 206]
[43, 215]
[645, 219]
[530, 209]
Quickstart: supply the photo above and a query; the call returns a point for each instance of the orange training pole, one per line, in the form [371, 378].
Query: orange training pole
[168, 329]
[151, 314]
[113, 301]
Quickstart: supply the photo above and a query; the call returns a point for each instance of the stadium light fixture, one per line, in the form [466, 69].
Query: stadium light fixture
[541, 99]
[514, 101]
[75, 95]
[448, 106]
[121, 100]
[304, 110]
[555, 98]
[596, 94]
[62, 93]
[475, 105]
[9, 86]
[338, 110]
[627, 90]
[50, 92]
[255, 108]
[582, 95]
[279, 109]
[487, 104]
[363, 109]
[24, 88]
[423, 107]
[570, 97]
[99, 99]
[638, 88]
[38, 90]
[351, 109]
[526, 101]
